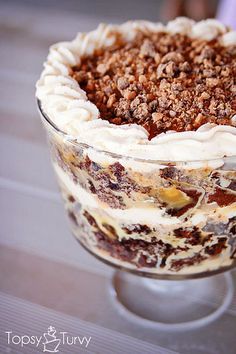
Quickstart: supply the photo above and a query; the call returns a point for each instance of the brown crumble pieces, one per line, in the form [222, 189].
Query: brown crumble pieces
[162, 82]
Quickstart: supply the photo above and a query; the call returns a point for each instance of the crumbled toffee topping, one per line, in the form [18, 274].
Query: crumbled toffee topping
[162, 82]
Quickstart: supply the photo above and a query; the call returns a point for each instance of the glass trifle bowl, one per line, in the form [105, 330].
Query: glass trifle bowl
[167, 220]
[141, 121]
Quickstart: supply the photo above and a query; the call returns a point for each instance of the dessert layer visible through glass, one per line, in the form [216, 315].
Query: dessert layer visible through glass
[159, 219]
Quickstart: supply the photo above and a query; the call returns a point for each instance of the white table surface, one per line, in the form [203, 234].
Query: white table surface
[46, 278]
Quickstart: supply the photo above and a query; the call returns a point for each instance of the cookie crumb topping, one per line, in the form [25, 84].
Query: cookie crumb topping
[162, 82]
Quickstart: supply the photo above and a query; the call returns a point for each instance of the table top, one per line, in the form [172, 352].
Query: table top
[46, 277]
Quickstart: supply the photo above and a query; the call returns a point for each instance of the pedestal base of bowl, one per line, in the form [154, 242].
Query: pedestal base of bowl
[171, 305]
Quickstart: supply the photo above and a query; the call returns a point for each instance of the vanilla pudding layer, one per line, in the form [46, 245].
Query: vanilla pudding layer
[174, 219]
[68, 106]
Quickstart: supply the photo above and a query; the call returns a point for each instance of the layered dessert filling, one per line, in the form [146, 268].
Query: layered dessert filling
[142, 128]
[171, 219]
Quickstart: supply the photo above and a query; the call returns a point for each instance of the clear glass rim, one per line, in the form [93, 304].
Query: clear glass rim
[75, 142]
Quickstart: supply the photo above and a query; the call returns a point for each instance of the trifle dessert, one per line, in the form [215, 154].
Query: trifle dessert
[141, 120]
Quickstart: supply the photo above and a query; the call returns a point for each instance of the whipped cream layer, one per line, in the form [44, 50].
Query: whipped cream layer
[67, 105]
